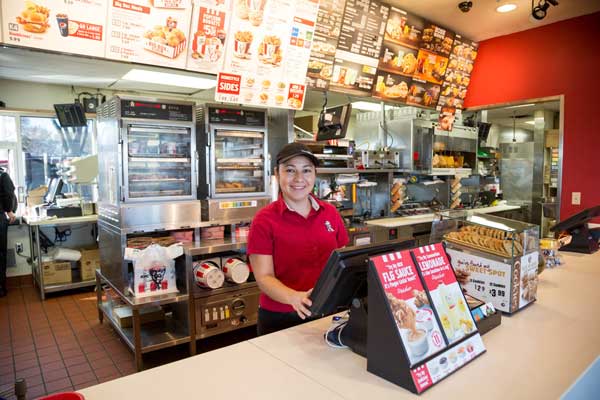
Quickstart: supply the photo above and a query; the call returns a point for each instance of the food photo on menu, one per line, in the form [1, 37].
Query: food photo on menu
[446, 118]
[437, 40]
[430, 67]
[391, 86]
[56, 25]
[210, 22]
[404, 28]
[423, 93]
[398, 59]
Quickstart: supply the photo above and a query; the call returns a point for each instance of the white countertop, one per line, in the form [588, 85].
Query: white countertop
[34, 220]
[536, 353]
[425, 218]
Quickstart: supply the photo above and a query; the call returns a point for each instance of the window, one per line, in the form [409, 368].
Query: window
[46, 145]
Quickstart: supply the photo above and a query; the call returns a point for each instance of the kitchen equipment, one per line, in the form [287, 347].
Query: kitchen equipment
[234, 177]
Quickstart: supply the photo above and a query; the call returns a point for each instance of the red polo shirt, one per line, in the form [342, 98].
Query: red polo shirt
[300, 246]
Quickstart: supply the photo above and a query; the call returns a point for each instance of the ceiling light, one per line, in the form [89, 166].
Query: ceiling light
[506, 7]
[521, 105]
[164, 78]
[539, 12]
[530, 122]
[366, 106]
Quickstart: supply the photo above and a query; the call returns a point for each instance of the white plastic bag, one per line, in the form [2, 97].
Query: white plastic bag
[153, 272]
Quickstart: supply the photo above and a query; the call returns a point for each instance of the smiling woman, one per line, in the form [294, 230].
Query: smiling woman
[290, 241]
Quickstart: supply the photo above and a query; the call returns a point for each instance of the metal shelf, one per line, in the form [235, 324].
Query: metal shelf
[214, 246]
[154, 336]
[66, 286]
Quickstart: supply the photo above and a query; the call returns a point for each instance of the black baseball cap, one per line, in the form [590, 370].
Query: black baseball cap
[292, 150]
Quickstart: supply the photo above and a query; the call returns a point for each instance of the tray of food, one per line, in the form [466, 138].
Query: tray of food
[486, 239]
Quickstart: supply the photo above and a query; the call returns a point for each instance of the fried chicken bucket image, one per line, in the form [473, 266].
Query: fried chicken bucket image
[34, 18]
[405, 318]
[166, 40]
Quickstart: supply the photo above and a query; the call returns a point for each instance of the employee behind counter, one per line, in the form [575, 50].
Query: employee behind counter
[290, 241]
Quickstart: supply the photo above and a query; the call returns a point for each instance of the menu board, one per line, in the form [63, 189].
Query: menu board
[445, 292]
[74, 26]
[268, 47]
[458, 73]
[210, 23]
[416, 322]
[359, 46]
[398, 58]
[322, 54]
[149, 31]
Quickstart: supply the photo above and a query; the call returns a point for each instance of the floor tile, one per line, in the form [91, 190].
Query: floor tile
[62, 384]
[84, 377]
[52, 375]
[79, 369]
[33, 392]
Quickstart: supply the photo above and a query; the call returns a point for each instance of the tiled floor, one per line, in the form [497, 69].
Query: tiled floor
[57, 345]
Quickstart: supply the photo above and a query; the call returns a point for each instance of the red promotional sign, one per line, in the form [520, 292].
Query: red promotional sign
[132, 7]
[421, 378]
[434, 265]
[228, 83]
[397, 274]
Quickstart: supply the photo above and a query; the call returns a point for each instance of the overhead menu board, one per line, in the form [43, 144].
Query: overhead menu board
[359, 46]
[267, 53]
[432, 61]
[398, 58]
[208, 35]
[327, 32]
[75, 26]
[458, 73]
[150, 32]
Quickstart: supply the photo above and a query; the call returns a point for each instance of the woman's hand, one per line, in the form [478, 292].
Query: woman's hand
[11, 216]
[300, 302]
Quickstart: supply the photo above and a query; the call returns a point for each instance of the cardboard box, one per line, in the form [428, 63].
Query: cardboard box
[90, 261]
[56, 272]
[124, 315]
[36, 196]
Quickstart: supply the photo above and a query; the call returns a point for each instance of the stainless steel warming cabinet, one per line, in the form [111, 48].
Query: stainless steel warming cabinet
[234, 180]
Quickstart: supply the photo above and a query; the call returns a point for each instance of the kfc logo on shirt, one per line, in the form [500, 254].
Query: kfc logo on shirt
[328, 226]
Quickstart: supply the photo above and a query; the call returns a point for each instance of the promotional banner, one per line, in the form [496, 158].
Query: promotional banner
[359, 47]
[409, 304]
[75, 26]
[267, 52]
[327, 32]
[210, 24]
[149, 31]
[445, 291]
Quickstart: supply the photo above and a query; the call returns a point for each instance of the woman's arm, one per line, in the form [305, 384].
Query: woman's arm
[264, 272]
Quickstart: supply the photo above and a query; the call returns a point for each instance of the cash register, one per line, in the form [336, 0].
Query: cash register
[57, 206]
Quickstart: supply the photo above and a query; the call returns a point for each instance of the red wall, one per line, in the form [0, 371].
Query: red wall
[561, 58]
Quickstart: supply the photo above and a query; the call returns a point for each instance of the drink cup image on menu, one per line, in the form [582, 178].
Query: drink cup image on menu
[63, 24]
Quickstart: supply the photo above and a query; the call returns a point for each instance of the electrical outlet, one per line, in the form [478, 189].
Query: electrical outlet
[575, 198]
[18, 247]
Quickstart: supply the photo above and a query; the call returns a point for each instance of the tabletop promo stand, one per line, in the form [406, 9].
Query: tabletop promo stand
[440, 311]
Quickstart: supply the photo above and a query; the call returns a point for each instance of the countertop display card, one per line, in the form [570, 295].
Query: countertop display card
[267, 52]
[509, 286]
[75, 26]
[359, 46]
[418, 332]
[322, 54]
[149, 32]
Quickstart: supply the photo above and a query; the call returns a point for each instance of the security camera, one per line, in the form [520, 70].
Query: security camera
[465, 6]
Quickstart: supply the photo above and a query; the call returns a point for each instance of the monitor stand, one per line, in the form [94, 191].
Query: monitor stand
[582, 240]
[354, 335]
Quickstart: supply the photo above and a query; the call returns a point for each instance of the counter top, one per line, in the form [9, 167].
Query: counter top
[536, 353]
[29, 220]
[425, 218]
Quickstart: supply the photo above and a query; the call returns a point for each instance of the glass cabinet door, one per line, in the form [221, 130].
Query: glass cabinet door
[159, 162]
[239, 161]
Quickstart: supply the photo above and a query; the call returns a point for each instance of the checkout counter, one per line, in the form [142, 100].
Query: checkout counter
[527, 357]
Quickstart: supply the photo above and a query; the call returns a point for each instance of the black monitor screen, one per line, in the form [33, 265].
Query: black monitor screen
[70, 115]
[345, 276]
[484, 130]
[54, 188]
[577, 220]
[333, 122]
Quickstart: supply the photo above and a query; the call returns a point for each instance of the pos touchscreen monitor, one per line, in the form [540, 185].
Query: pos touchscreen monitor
[344, 277]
